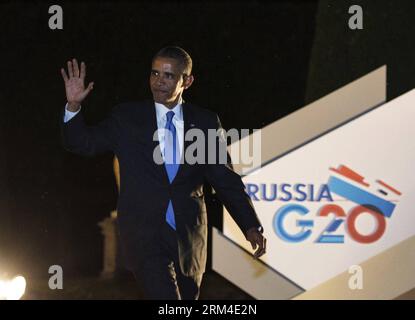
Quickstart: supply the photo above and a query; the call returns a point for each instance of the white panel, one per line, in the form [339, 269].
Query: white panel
[250, 275]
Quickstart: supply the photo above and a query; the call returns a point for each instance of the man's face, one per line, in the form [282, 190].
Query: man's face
[167, 81]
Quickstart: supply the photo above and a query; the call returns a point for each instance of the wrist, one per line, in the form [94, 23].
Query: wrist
[73, 106]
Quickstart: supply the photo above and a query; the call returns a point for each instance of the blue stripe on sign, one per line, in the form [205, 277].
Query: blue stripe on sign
[330, 239]
[333, 226]
[360, 196]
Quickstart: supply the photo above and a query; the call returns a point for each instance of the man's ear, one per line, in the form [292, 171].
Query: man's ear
[188, 80]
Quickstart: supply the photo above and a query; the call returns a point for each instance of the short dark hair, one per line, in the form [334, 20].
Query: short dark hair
[178, 54]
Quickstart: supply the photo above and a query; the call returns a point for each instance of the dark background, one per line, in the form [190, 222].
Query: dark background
[254, 62]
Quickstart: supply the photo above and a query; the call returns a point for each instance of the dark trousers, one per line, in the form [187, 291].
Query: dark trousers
[160, 276]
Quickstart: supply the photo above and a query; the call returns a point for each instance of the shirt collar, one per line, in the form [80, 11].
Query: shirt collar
[161, 110]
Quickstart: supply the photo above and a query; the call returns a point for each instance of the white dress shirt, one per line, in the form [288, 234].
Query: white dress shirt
[161, 111]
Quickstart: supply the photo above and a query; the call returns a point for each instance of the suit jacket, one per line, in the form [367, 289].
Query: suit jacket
[145, 189]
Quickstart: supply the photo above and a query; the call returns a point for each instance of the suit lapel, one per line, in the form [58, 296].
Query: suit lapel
[150, 132]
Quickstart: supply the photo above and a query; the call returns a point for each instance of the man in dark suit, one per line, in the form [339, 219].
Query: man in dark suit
[161, 209]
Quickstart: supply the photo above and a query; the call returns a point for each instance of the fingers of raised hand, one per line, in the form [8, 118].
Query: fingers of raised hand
[90, 86]
[75, 68]
[64, 75]
[70, 70]
[83, 70]
[74, 71]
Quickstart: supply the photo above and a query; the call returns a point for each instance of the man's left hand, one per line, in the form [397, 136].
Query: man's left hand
[256, 239]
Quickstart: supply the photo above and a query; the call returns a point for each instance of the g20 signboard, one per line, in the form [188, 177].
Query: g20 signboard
[338, 200]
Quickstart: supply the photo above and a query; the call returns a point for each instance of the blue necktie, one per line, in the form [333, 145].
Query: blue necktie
[171, 160]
